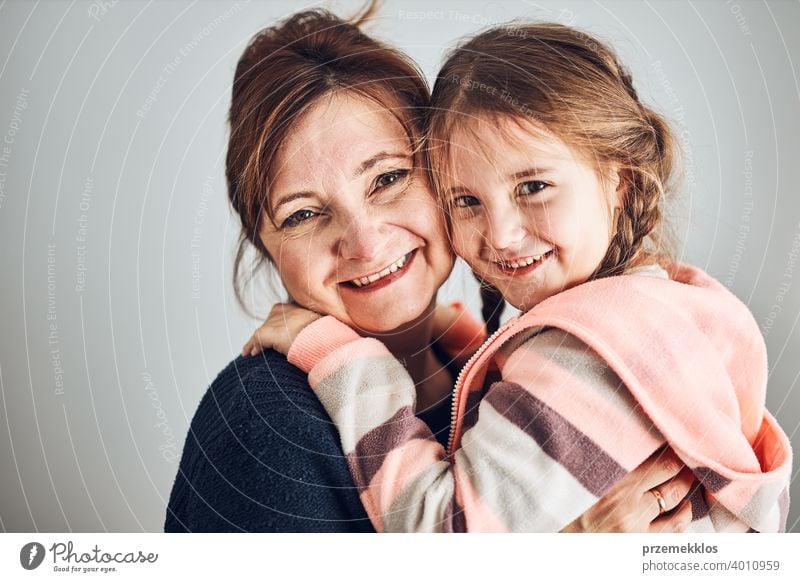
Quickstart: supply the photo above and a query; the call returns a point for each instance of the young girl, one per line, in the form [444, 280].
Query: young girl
[551, 172]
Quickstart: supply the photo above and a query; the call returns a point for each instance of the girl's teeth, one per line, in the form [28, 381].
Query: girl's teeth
[523, 263]
[398, 264]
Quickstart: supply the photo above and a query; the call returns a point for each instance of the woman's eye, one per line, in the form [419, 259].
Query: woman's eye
[465, 201]
[298, 217]
[389, 178]
[531, 187]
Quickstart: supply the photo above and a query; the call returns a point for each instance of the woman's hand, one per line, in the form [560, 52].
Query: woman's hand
[633, 505]
[283, 325]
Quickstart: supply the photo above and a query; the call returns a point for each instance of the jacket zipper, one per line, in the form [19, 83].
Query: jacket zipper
[462, 375]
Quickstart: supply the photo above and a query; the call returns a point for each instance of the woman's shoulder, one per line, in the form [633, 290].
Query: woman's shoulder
[261, 455]
[247, 389]
[254, 373]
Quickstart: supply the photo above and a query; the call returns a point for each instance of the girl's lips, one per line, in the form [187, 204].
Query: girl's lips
[383, 281]
[509, 271]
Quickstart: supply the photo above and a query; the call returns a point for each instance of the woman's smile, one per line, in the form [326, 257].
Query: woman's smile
[355, 231]
[385, 276]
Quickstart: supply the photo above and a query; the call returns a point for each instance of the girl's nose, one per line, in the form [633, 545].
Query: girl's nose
[505, 227]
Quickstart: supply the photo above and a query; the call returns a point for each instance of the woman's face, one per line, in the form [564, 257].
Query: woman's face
[356, 232]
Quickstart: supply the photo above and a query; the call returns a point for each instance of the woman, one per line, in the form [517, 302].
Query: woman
[323, 170]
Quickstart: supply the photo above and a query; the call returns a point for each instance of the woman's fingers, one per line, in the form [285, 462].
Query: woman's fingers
[650, 498]
[667, 496]
[674, 512]
[676, 490]
[674, 522]
[660, 467]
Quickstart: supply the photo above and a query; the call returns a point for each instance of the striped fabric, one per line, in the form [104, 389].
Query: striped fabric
[590, 383]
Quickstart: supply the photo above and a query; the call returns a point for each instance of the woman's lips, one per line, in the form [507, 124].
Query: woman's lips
[383, 279]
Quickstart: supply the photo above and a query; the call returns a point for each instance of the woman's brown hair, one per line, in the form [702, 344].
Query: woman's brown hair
[282, 73]
[572, 85]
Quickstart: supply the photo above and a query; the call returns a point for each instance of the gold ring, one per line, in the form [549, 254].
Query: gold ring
[662, 505]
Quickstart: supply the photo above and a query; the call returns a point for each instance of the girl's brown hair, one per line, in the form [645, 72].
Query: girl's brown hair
[282, 73]
[573, 85]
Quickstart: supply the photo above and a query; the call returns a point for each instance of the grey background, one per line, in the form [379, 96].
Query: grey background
[116, 307]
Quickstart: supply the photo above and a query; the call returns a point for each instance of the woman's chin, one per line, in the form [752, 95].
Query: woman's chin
[380, 318]
[396, 307]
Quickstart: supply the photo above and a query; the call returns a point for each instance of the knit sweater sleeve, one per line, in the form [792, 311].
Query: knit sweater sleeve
[523, 465]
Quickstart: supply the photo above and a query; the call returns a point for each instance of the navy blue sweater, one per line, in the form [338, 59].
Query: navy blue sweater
[262, 455]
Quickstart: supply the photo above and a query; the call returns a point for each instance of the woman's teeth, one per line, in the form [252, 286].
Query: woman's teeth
[398, 264]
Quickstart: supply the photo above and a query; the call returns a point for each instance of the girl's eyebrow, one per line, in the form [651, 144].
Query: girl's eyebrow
[455, 190]
[529, 172]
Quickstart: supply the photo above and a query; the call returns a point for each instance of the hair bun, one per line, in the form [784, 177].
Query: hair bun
[627, 82]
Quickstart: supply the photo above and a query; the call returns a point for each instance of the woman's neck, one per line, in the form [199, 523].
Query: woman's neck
[411, 345]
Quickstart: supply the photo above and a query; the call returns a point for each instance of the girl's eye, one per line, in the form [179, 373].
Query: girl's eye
[297, 218]
[531, 187]
[389, 178]
[465, 201]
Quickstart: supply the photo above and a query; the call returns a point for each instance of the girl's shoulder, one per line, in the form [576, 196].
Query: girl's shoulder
[673, 296]
[651, 270]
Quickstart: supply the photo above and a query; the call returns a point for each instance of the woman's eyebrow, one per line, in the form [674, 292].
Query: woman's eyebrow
[379, 157]
[290, 197]
[364, 167]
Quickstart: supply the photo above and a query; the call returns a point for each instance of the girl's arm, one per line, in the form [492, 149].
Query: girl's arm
[454, 330]
[523, 466]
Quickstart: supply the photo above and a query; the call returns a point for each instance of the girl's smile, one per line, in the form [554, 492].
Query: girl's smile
[529, 215]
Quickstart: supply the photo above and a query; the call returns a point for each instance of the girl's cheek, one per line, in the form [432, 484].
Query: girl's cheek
[463, 240]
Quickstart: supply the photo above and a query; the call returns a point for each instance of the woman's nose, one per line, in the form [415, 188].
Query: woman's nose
[360, 240]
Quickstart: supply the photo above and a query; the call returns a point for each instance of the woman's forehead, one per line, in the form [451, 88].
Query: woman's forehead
[339, 134]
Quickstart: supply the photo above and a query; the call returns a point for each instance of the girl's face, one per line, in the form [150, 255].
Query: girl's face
[356, 231]
[529, 216]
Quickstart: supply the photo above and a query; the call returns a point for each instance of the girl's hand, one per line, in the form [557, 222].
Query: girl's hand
[283, 325]
[632, 505]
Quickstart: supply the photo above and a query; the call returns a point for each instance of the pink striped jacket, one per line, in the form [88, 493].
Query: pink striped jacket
[559, 405]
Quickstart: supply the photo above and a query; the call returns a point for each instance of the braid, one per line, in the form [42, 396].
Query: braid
[650, 168]
[640, 214]
[492, 305]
